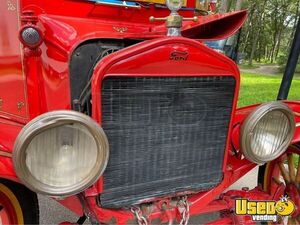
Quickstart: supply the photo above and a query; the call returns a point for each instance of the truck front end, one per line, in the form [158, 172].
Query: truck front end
[131, 121]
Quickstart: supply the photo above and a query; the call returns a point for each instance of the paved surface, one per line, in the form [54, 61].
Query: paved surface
[53, 213]
[266, 69]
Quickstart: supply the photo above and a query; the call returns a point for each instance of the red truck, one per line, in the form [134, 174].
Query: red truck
[117, 110]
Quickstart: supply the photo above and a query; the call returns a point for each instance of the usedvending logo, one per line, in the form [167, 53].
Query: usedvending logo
[264, 211]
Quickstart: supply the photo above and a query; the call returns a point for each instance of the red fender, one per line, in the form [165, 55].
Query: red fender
[211, 27]
[242, 113]
[8, 133]
[215, 27]
[7, 169]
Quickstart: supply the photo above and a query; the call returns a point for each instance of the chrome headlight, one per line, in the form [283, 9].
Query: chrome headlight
[60, 153]
[267, 132]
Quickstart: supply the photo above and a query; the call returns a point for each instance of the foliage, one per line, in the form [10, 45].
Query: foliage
[257, 88]
[282, 59]
[267, 35]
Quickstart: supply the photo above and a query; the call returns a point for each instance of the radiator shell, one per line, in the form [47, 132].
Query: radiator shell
[166, 135]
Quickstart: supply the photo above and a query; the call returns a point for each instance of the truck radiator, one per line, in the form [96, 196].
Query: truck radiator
[166, 134]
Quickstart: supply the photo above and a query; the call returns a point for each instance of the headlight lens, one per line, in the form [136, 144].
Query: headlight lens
[31, 36]
[267, 132]
[60, 153]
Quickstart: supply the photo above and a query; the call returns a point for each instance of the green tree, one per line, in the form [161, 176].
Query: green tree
[268, 32]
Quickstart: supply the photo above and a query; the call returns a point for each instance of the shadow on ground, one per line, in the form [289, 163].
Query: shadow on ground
[52, 212]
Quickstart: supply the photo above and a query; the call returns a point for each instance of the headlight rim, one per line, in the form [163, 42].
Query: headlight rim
[50, 120]
[250, 123]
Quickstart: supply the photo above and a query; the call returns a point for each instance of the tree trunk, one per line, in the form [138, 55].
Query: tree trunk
[278, 43]
[259, 22]
[254, 44]
[233, 39]
[238, 5]
[224, 6]
[247, 29]
[297, 17]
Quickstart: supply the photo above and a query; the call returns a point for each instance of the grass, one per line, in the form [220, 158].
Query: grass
[257, 88]
[296, 160]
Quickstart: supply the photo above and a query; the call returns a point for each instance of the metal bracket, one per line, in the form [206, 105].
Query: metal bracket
[173, 22]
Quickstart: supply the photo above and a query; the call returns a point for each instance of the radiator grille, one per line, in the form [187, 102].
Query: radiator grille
[166, 135]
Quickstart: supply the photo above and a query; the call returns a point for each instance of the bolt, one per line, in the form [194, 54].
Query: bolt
[164, 206]
[245, 188]
[229, 167]
[28, 12]
[20, 105]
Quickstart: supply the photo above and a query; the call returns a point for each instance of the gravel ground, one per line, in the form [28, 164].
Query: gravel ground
[53, 213]
[265, 69]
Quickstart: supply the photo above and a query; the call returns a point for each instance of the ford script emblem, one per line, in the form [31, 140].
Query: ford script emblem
[179, 56]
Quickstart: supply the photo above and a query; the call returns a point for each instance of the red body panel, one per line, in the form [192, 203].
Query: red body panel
[34, 81]
[11, 71]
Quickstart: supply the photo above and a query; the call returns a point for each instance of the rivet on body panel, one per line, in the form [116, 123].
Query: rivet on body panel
[20, 105]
